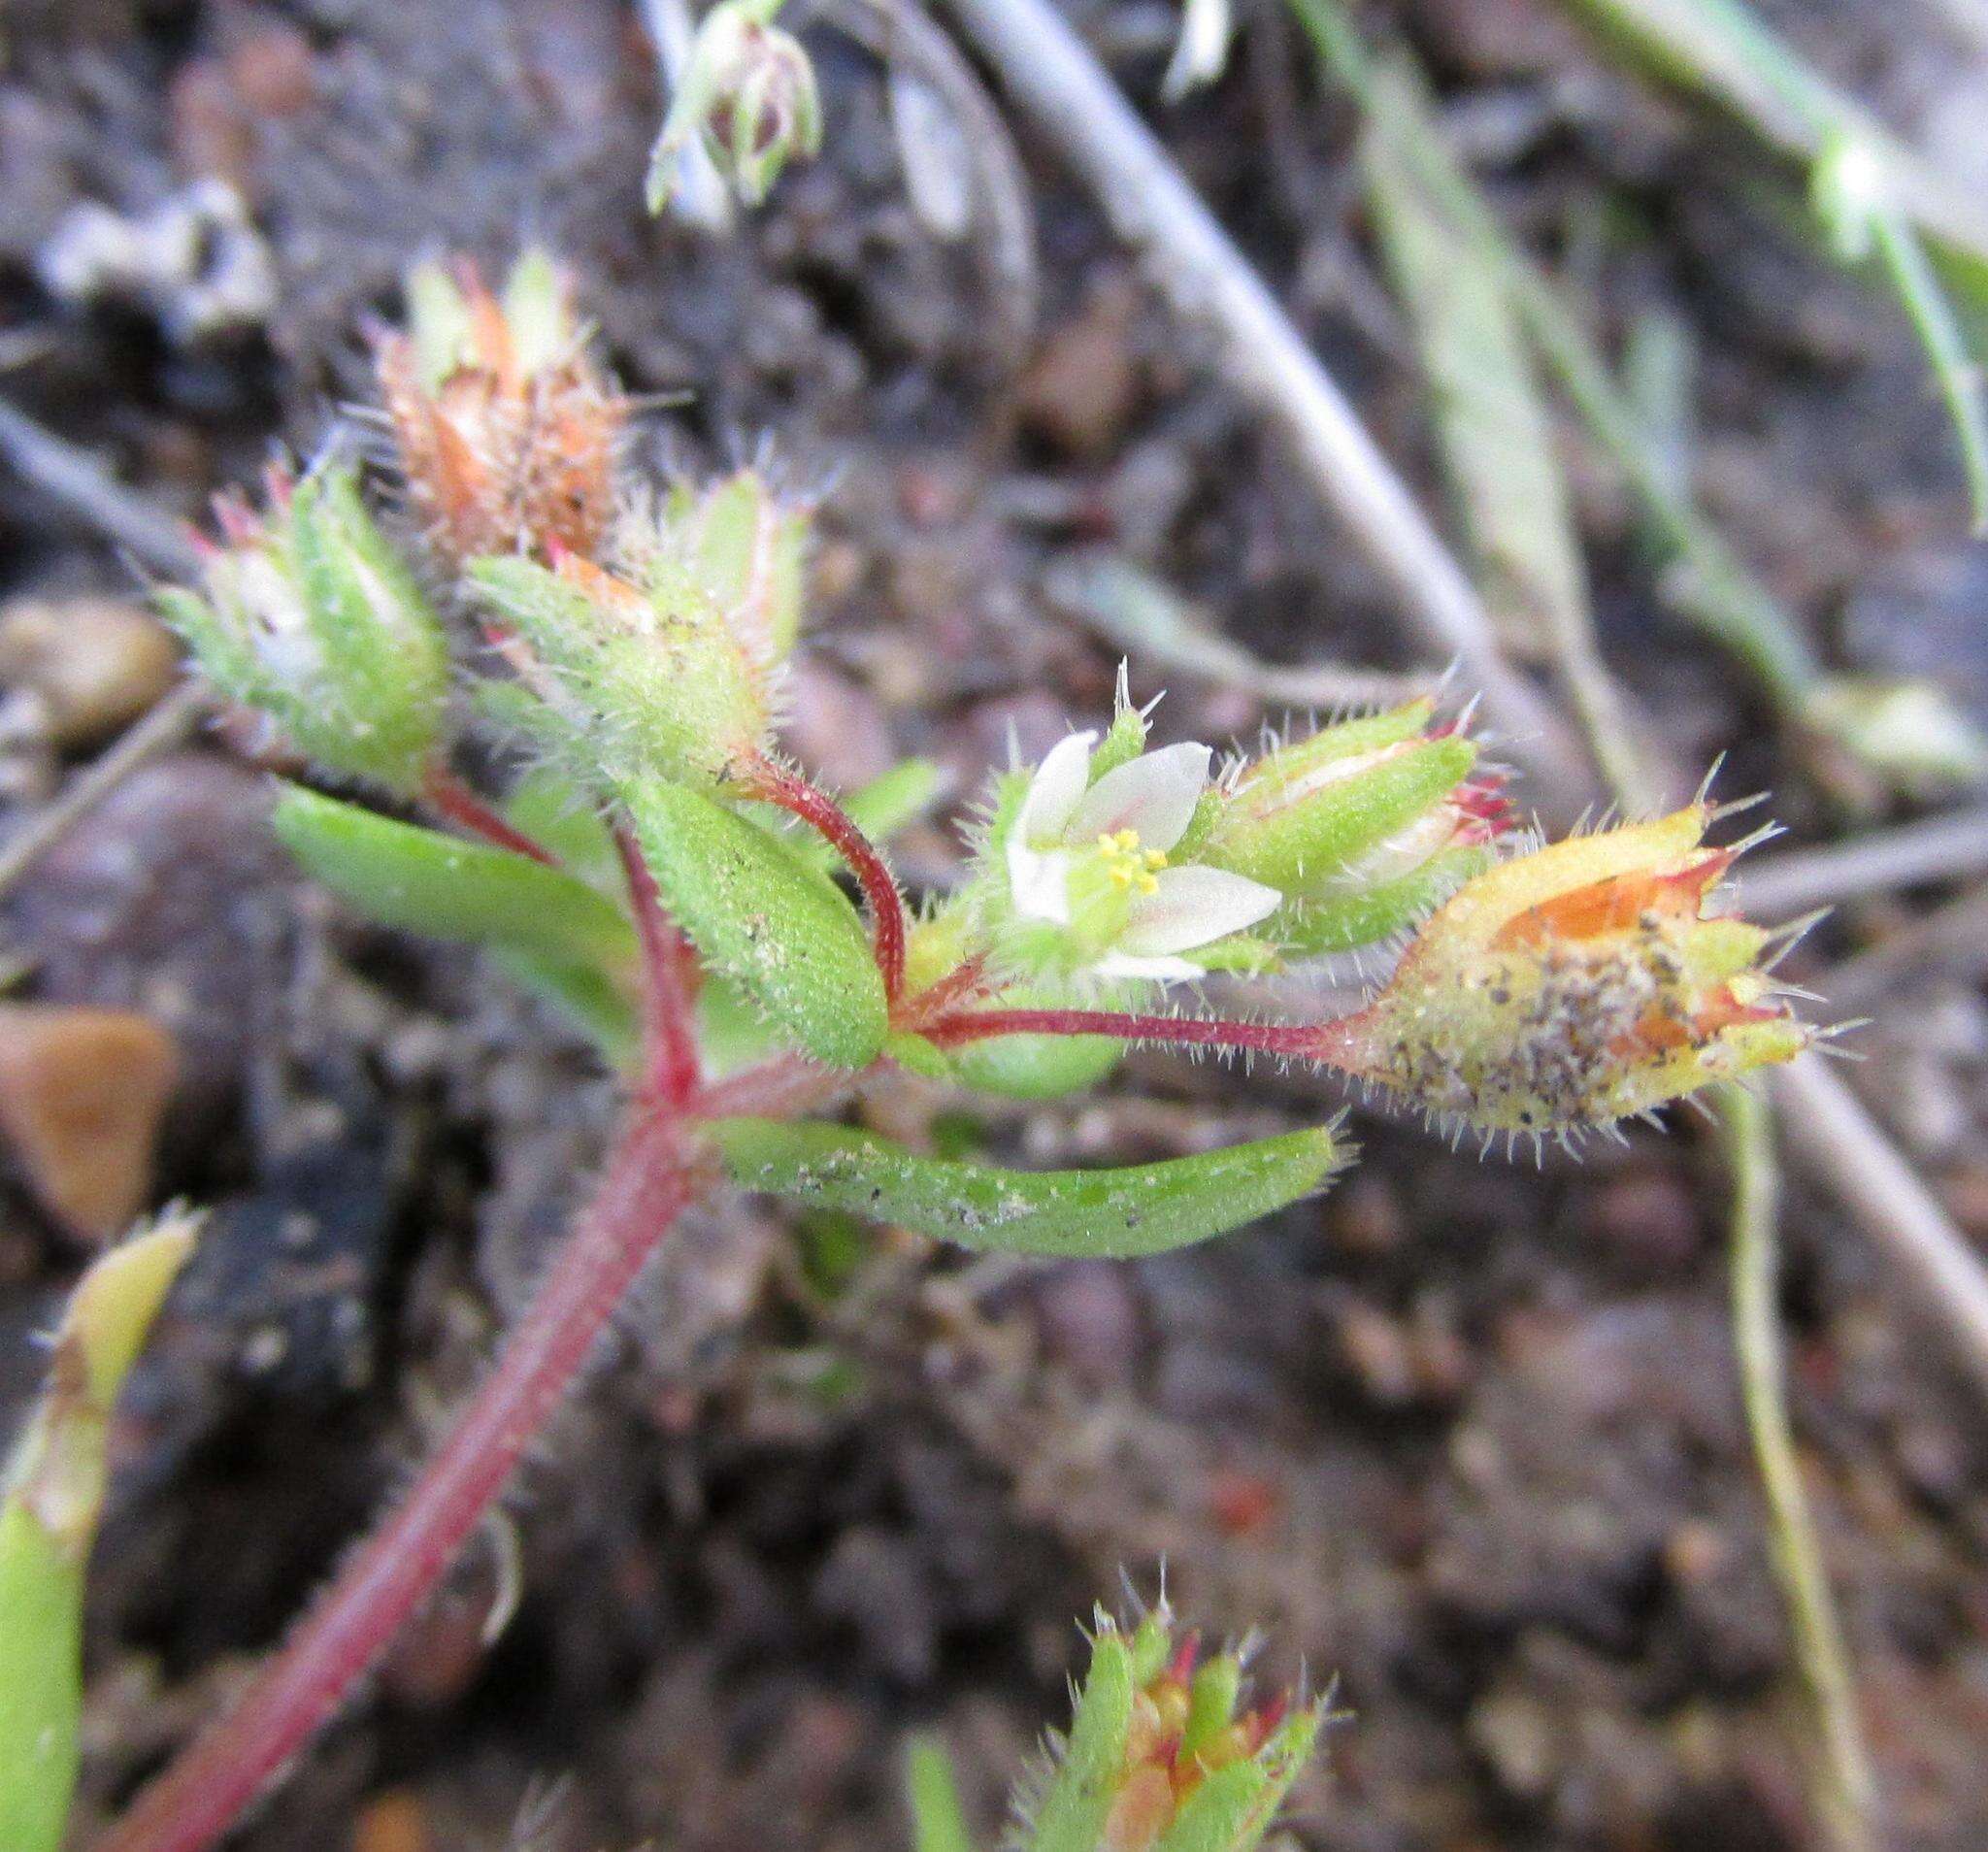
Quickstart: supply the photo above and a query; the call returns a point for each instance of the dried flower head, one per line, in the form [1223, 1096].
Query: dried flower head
[1578, 984]
[508, 432]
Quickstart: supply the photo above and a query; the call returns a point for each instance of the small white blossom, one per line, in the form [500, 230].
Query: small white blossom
[1110, 841]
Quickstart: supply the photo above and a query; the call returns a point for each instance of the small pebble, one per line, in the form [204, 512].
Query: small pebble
[81, 1094]
[96, 663]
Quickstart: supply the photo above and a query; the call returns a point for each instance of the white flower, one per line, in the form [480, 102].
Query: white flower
[1094, 856]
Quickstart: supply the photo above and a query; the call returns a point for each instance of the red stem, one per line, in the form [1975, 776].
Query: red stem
[667, 996]
[776, 784]
[1321, 1042]
[452, 798]
[649, 1182]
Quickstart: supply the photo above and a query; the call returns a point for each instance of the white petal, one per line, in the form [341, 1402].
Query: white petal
[1191, 905]
[1162, 971]
[1039, 882]
[1155, 794]
[1054, 790]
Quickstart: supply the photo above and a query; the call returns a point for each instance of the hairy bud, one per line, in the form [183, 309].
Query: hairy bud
[1577, 985]
[309, 616]
[1364, 827]
[668, 667]
[1163, 1752]
[508, 432]
[749, 97]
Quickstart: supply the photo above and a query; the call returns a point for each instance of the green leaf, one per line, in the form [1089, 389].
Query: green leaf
[425, 881]
[939, 1822]
[1143, 1209]
[53, 1495]
[757, 912]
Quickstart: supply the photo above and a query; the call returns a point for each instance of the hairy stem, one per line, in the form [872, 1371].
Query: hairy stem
[649, 1182]
[1325, 1043]
[670, 1055]
[450, 798]
[776, 784]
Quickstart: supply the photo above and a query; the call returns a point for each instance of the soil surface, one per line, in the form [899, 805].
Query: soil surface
[1463, 1437]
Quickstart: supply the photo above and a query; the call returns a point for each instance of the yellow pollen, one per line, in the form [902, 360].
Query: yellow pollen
[1127, 864]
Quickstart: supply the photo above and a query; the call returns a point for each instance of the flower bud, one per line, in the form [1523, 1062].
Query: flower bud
[508, 432]
[1364, 827]
[751, 98]
[1575, 985]
[735, 548]
[1163, 1752]
[666, 667]
[310, 616]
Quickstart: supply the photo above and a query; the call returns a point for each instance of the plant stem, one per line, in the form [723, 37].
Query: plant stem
[776, 784]
[649, 1182]
[670, 1055]
[1325, 1043]
[1845, 1790]
[449, 797]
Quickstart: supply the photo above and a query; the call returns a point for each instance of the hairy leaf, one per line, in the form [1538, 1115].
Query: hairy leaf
[760, 914]
[1142, 1208]
[425, 881]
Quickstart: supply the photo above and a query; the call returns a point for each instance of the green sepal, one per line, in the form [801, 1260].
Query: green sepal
[425, 881]
[1241, 952]
[1123, 741]
[1346, 739]
[1072, 1814]
[1211, 1700]
[1142, 1208]
[1297, 842]
[646, 689]
[1236, 1804]
[761, 916]
[386, 661]
[735, 548]
[1314, 928]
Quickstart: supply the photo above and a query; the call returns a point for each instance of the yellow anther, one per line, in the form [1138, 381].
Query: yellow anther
[1156, 858]
[1148, 885]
